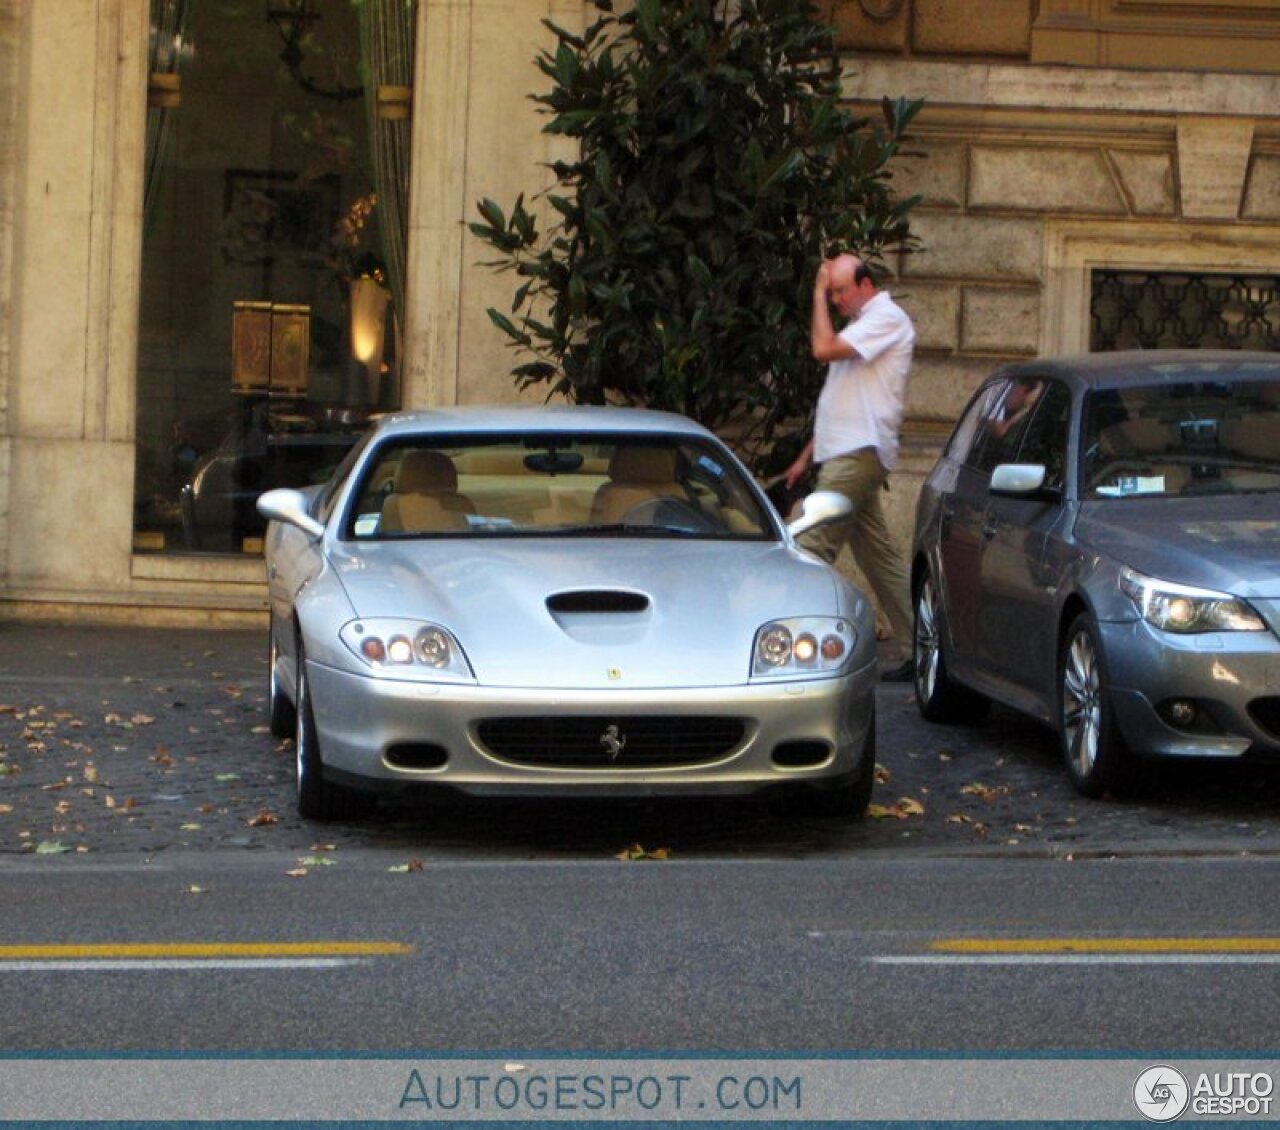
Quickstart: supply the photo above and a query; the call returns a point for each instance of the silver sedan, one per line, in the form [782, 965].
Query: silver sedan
[1099, 546]
[579, 601]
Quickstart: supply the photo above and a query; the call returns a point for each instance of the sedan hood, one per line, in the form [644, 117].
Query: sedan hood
[1231, 544]
[624, 613]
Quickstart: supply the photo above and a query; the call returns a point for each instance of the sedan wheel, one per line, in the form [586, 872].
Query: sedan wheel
[1091, 743]
[283, 717]
[937, 696]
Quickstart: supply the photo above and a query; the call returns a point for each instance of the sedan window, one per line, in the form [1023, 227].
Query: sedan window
[965, 441]
[1046, 437]
[1006, 422]
[1182, 438]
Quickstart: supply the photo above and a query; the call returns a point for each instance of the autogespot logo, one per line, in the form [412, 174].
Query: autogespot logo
[1161, 1093]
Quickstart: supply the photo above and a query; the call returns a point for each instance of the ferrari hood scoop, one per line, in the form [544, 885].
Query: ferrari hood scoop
[597, 600]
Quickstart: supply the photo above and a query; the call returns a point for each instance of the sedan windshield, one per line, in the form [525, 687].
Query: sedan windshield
[563, 484]
[1218, 436]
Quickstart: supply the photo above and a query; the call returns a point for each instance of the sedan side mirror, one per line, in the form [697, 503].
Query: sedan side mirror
[290, 507]
[1023, 479]
[819, 508]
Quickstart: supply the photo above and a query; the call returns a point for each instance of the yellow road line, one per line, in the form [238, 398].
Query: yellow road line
[163, 950]
[1105, 945]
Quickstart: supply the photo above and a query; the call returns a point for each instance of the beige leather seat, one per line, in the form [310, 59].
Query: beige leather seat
[426, 498]
[636, 475]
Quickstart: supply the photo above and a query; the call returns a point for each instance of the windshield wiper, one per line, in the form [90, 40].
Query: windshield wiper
[627, 529]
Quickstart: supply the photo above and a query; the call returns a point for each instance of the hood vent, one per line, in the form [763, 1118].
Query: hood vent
[598, 600]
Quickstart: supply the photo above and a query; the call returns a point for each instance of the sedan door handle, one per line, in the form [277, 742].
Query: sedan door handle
[990, 529]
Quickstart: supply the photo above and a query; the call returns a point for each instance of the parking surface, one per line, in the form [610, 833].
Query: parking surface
[137, 742]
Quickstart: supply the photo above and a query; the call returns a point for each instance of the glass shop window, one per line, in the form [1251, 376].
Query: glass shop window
[276, 188]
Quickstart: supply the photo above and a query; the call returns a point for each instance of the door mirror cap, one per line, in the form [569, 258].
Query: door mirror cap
[819, 508]
[1018, 478]
[290, 507]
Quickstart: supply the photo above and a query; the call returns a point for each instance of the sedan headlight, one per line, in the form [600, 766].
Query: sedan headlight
[1181, 608]
[806, 645]
[408, 647]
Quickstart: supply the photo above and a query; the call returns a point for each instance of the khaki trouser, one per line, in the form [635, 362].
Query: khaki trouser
[859, 477]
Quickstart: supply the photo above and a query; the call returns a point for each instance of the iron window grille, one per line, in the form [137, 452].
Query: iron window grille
[1182, 310]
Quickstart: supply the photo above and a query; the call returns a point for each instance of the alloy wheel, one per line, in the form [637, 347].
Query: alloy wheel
[927, 645]
[1082, 703]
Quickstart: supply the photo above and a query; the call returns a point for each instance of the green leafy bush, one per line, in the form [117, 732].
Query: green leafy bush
[715, 166]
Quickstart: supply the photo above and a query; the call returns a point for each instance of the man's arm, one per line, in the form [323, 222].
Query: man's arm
[800, 467]
[824, 343]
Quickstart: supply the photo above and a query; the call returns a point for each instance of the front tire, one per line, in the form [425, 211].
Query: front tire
[848, 799]
[283, 716]
[938, 697]
[1092, 746]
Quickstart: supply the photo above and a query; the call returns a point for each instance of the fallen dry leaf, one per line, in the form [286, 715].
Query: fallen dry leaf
[412, 865]
[262, 818]
[637, 852]
[905, 807]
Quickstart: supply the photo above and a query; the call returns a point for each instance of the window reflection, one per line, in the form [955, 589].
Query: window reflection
[272, 261]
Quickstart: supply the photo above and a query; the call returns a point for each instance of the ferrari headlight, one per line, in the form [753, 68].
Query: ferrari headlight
[1182, 608]
[806, 645]
[403, 647]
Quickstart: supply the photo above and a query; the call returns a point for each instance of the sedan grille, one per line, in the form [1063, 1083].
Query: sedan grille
[602, 742]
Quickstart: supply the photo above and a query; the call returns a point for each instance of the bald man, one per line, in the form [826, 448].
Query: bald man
[855, 434]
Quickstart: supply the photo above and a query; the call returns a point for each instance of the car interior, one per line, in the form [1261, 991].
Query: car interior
[565, 485]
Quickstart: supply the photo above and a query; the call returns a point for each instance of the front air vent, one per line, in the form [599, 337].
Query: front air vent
[612, 743]
[598, 600]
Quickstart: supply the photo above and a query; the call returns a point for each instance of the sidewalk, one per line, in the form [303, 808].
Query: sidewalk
[117, 741]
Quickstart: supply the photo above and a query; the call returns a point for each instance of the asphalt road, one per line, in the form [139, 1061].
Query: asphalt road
[889, 953]
[141, 742]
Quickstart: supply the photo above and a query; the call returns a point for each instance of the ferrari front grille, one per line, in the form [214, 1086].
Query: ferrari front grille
[619, 743]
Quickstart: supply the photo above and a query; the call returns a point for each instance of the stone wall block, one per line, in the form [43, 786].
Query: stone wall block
[934, 171]
[935, 310]
[1262, 194]
[1076, 181]
[960, 27]
[1213, 159]
[1146, 180]
[1000, 320]
[49, 548]
[976, 248]
[857, 30]
[940, 387]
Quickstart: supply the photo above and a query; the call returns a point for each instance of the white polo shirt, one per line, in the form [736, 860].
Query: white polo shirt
[864, 397]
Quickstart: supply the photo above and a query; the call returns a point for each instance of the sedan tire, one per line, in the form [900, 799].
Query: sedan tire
[1092, 746]
[938, 697]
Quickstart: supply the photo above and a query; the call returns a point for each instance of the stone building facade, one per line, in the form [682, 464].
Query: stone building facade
[1059, 138]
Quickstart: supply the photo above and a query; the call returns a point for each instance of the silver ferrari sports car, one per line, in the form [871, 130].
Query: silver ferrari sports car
[567, 601]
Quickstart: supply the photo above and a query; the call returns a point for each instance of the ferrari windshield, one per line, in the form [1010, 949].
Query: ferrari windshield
[1219, 436]
[560, 484]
